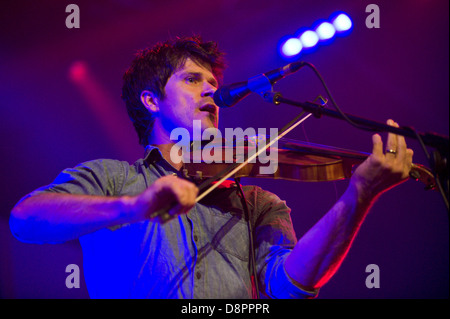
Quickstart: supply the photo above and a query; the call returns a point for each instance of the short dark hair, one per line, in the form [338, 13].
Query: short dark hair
[151, 69]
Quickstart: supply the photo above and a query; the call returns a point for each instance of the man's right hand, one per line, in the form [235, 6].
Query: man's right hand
[58, 217]
[169, 195]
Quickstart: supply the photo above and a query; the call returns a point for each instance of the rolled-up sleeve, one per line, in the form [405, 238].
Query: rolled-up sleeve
[281, 286]
[101, 177]
[275, 238]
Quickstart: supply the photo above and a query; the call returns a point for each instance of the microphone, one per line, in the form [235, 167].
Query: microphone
[229, 95]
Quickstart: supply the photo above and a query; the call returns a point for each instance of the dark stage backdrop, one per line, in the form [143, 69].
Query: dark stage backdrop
[51, 120]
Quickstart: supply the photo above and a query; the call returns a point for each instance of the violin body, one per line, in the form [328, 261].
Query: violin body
[296, 161]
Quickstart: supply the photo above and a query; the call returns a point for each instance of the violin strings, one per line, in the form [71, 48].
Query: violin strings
[234, 171]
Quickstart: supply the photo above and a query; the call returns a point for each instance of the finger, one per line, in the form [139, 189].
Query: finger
[185, 193]
[177, 191]
[391, 143]
[191, 192]
[377, 149]
[408, 162]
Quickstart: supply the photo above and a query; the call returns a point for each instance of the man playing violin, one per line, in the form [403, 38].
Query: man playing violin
[204, 250]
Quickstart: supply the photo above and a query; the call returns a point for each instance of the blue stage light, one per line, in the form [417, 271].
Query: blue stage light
[291, 47]
[342, 22]
[325, 31]
[322, 31]
[309, 39]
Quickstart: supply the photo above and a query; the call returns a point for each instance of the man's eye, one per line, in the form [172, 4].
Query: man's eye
[191, 80]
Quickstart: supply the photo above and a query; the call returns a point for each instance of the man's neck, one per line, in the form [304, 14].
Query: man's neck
[161, 139]
[165, 147]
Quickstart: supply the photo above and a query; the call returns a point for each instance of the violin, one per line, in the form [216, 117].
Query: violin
[295, 161]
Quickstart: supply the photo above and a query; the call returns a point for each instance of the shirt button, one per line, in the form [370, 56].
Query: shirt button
[195, 238]
[198, 275]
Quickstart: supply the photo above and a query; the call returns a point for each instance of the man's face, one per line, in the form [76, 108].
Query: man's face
[189, 96]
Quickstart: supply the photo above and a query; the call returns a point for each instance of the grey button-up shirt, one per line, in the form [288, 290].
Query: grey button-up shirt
[203, 254]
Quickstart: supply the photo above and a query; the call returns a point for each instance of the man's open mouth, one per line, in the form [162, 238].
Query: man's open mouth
[210, 108]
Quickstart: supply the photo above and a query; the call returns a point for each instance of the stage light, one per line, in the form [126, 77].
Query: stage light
[309, 39]
[325, 31]
[342, 22]
[78, 71]
[291, 47]
[322, 31]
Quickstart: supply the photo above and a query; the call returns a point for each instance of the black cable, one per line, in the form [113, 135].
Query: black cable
[334, 102]
[436, 174]
[252, 259]
[434, 165]
[422, 144]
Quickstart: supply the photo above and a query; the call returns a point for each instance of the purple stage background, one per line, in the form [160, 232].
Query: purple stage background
[51, 120]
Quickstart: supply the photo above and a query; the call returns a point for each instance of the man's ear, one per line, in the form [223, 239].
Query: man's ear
[150, 101]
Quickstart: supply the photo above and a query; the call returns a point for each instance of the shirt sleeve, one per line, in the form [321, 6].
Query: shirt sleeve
[283, 287]
[275, 238]
[101, 177]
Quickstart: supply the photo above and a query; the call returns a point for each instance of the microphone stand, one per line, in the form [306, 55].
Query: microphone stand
[439, 160]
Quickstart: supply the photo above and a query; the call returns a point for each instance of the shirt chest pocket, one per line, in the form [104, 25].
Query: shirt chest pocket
[230, 236]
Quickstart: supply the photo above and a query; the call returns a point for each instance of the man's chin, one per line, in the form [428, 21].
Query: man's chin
[210, 122]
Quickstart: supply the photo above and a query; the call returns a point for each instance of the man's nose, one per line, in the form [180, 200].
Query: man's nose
[208, 89]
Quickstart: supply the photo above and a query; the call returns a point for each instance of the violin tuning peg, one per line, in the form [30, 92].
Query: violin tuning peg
[199, 175]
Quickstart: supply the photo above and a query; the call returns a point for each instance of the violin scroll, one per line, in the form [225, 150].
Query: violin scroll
[423, 174]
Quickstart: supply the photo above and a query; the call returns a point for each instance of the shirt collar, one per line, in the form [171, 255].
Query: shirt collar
[152, 153]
